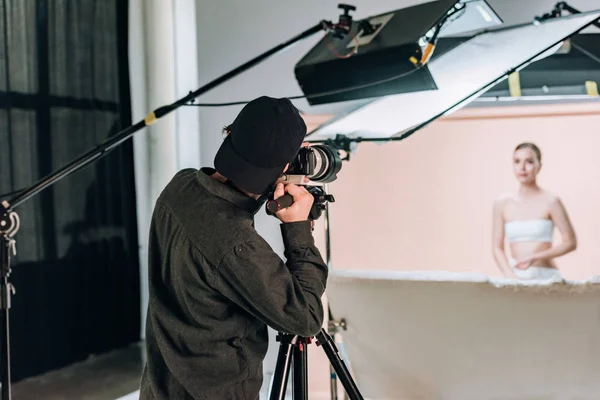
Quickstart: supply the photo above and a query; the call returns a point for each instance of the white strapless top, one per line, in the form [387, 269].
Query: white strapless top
[529, 230]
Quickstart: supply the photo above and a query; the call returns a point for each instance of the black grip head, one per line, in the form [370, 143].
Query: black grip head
[272, 207]
[347, 8]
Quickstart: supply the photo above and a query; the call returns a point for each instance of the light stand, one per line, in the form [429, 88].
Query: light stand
[342, 143]
[9, 219]
[9, 225]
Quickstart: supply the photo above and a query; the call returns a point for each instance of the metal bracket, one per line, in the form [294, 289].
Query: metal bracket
[335, 324]
[5, 305]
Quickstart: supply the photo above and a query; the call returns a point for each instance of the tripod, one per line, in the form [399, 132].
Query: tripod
[295, 348]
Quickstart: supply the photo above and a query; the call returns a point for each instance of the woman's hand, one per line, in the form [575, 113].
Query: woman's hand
[526, 262]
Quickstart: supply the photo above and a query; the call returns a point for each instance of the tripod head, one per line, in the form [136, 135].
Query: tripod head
[321, 198]
[344, 24]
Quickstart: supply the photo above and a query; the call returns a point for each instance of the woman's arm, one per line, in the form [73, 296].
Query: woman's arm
[568, 241]
[498, 239]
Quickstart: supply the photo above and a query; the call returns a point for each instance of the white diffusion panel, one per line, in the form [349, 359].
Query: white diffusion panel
[462, 74]
[449, 336]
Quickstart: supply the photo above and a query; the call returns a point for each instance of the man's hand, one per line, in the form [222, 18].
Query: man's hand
[300, 209]
[306, 178]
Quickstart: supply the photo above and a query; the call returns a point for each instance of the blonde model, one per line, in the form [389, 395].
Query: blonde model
[526, 220]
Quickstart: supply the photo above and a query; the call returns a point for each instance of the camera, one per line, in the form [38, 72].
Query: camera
[319, 163]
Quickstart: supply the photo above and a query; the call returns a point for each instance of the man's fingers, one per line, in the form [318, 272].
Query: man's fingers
[279, 191]
[295, 190]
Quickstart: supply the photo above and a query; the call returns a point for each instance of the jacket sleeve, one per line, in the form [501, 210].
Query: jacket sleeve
[285, 296]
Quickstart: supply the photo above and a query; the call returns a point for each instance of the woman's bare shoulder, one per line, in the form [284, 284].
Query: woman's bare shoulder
[551, 198]
[503, 199]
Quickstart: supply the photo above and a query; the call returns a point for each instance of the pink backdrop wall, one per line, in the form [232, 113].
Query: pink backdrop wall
[425, 203]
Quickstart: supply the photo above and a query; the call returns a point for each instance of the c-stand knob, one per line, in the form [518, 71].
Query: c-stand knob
[346, 7]
[345, 22]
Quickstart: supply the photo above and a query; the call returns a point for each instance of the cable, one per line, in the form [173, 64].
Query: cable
[328, 93]
[334, 51]
[291, 98]
[424, 60]
[432, 42]
[10, 194]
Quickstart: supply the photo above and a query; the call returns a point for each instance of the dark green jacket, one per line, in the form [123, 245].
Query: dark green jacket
[215, 284]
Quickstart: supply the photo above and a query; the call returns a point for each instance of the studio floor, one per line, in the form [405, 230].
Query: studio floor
[111, 376]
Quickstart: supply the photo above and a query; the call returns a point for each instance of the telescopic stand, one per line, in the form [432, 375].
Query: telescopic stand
[9, 225]
[295, 348]
[9, 220]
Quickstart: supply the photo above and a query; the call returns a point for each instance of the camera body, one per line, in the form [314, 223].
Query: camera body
[320, 164]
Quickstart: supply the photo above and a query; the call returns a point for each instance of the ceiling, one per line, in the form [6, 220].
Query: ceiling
[511, 11]
[280, 21]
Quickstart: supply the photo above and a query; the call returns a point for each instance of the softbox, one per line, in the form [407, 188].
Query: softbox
[573, 72]
[462, 73]
[378, 52]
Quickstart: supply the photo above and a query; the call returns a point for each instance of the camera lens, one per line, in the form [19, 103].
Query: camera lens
[327, 164]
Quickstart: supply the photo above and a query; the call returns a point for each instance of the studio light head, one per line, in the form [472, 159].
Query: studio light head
[385, 54]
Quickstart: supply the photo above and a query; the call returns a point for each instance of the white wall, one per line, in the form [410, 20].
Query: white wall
[163, 68]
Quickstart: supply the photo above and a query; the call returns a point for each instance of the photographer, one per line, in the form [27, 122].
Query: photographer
[215, 283]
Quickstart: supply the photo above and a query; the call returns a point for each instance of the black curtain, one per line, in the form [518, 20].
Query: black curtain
[64, 88]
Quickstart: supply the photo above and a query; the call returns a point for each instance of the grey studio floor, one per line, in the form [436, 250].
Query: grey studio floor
[105, 377]
[111, 376]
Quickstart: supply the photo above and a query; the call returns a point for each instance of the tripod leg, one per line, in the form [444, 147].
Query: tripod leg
[301, 370]
[331, 351]
[282, 368]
